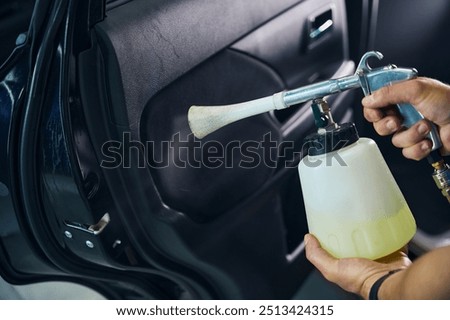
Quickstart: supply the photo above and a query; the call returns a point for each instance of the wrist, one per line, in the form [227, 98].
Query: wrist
[374, 292]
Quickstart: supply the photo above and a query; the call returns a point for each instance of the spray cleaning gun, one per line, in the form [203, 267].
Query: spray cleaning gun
[204, 120]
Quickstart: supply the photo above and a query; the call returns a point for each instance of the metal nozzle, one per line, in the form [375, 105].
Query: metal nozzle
[441, 176]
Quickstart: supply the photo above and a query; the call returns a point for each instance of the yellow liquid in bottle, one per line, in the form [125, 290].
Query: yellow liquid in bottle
[370, 239]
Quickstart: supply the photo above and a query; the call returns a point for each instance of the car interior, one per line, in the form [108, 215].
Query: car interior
[97, 189]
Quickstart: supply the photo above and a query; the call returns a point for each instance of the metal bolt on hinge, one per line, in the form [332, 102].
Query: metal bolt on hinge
[89, 244]
[68, 234]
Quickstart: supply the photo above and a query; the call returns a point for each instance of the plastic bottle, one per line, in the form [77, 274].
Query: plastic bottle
[353, 204]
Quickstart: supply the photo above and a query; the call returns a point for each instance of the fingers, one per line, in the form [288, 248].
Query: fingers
[385, 122]
[321, 259]
[398, 259]
[411, 136]
[418, 151]
[413, 141]
[373, 115]
[350, 274]
[387, 125]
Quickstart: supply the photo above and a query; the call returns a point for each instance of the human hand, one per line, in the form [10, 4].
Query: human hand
[430, 97]
[355, 275]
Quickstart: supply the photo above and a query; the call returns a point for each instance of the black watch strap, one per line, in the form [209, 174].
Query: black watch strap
[373, 294]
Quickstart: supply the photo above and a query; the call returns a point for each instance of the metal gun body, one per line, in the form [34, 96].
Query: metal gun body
[368, 79]
[205, 120]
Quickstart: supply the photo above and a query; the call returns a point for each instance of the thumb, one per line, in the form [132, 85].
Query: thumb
[321, 259]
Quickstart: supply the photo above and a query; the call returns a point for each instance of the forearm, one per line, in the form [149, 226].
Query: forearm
[427, 278]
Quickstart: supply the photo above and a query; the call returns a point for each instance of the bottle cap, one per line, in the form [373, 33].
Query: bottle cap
[320, 143]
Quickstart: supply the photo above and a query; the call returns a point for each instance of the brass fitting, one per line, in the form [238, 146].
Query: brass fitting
[441, 176]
